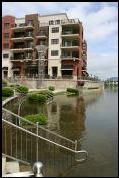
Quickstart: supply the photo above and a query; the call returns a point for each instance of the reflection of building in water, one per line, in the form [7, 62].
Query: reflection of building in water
[66, 116]
[53, 116]
[72, 119]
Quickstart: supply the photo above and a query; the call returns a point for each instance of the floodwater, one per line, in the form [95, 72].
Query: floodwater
[92, 119]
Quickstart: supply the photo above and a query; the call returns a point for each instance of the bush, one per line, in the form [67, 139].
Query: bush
[4, 83]
[51, 88]
[38, 98]
[73, 90]
[41, 118]
[7, 92]
[22, 89]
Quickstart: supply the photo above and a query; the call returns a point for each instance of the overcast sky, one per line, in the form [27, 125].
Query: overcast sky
[100, 21]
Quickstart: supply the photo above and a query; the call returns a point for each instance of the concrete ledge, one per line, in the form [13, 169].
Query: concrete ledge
[12, 167]
[3, 165]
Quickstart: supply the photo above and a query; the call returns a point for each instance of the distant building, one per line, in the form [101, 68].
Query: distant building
[60, 38]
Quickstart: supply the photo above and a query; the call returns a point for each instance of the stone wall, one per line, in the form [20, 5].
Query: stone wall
[60, 84]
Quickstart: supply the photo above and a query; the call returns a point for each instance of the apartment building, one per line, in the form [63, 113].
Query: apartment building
[51, 46]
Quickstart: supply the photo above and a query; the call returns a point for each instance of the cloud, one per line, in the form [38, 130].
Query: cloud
[103, 65]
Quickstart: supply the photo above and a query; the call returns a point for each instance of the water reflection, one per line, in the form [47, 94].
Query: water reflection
[67, 114]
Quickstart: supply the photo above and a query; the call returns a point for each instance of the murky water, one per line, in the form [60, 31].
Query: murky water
[92, 119]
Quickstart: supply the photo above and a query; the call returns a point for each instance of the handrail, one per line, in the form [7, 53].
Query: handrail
[29, 122]
[16, 159]
[38, 136]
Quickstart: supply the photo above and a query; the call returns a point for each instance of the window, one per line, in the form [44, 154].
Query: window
[57, 22]
[6, 55]
[55, 30]
[51, 22]
[54, 41]
[6, 45]
[6, 35]
[6, 25]
[54, 53]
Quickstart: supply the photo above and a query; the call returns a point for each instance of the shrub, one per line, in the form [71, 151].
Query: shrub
[73, 90]
[38, 98]
[4, 83]
[51, 88]
[41, 118]
[7, 92]
[22, 89]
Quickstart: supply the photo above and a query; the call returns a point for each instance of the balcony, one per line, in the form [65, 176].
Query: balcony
[67, 67]
[18, 38]
[70, 34]
[70, 45]
[69, 57]
[22, 27]
[21, 58]
[41, 35]
[70, 22]
[21, 48]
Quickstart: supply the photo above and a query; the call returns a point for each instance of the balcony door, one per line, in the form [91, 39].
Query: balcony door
[54, 71]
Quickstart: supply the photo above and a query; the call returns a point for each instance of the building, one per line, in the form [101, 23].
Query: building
[49, 45]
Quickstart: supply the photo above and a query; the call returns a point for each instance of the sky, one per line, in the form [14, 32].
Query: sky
[100, 22]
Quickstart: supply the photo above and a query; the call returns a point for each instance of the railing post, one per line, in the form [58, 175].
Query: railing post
[75, 145]
[37, 169]
[37, 141]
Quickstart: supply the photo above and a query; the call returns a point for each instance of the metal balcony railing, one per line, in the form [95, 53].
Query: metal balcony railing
[69, 57]
[70, 44]
[70, 33]
[22, 25]
[21, 46]
[70, 21]
[31, 143]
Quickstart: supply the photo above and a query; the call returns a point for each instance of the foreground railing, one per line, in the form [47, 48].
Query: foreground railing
[32, 143]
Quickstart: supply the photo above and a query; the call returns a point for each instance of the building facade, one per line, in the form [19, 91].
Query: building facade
[51, 46]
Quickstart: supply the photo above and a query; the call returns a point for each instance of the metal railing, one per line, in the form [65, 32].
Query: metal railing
[70, 21]
[30, 142]
[45, 133]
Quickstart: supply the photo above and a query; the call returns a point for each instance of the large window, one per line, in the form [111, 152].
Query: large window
[54, 41]
[6, 55]
[54, 53]
[55, 30]
[6, 35]
[7, 25]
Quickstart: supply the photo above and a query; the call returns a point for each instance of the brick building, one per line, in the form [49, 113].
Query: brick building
[52, 45]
